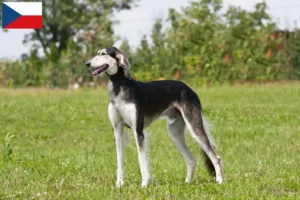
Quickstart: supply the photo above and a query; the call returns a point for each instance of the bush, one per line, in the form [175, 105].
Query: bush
[202, 44]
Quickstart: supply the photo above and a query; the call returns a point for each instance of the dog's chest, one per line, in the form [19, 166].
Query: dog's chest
[126, 110]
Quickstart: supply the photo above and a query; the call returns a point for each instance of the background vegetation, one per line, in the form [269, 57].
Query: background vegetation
[202, 43]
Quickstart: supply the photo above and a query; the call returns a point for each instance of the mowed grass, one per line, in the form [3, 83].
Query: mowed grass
[64, 147]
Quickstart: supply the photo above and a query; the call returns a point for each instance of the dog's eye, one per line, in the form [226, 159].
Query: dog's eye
[102, 54]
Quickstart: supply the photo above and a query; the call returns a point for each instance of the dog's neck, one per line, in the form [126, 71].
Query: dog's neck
[119, 76]
[116, 82]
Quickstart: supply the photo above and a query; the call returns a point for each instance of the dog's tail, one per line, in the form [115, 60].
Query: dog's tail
[209, 165]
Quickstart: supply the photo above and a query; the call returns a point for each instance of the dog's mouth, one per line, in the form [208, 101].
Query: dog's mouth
[100, 69]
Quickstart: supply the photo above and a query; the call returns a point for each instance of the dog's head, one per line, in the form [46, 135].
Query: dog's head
[109, 60]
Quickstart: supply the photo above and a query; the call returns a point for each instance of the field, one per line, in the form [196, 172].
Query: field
[62, 147]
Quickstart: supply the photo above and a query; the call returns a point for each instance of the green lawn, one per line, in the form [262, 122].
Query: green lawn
[64, 147]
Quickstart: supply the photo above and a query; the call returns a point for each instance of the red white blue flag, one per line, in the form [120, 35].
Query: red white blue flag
[22, 15]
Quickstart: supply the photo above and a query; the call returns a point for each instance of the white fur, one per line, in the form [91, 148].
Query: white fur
[144, 160]
[176, 132]
[128, 113]
[118, 127]
[218, 167]
[100, 60]
[211, 154]
[119, 113]
[207, 126]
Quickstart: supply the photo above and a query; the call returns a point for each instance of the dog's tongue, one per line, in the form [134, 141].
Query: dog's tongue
[95, 72]
[99, 69]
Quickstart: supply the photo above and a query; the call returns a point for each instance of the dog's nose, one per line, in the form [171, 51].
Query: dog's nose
[88, 63]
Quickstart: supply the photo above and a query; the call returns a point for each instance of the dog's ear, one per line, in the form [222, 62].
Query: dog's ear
[123, 62]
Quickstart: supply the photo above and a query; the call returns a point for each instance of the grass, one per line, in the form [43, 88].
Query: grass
[59, 145]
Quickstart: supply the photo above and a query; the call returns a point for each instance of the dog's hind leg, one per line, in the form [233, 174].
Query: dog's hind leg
[120, 140]
[176, 132]
[192, 115]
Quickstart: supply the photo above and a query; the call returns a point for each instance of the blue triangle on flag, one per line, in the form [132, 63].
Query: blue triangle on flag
[8, 15]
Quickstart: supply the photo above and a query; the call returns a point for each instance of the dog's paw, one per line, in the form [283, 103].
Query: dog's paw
[146, 182]
[144, 185]
[187, 181]
[219, 180]
[119, 184]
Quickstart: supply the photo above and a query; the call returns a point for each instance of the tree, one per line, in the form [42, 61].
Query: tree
[80, 20]
[205, 43]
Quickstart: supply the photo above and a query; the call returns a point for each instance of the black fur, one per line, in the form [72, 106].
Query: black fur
[159, 98]
[152, 98]
[208, 164]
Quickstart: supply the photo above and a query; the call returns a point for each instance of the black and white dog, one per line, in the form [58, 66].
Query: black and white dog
[137, 104]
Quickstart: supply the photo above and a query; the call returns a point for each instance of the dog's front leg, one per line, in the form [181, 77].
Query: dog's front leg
[120, 146]
[120, 137]
[141, 142]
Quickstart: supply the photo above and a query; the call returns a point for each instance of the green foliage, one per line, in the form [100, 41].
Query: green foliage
[295, 55]
[64, 20]
[203, 43]
[72, 32]
[206, 44]
[64, 147]
[27, 72]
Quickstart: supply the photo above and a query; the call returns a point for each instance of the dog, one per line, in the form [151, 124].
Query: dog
[136, 105]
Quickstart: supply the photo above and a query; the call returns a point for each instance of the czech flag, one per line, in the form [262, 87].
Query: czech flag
[22, 15]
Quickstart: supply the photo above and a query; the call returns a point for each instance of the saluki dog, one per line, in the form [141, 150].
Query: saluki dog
[136, 105]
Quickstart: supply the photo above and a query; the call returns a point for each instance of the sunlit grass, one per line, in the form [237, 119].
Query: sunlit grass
[64, 147]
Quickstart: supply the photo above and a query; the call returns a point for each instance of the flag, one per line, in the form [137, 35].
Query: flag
[21, 15]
